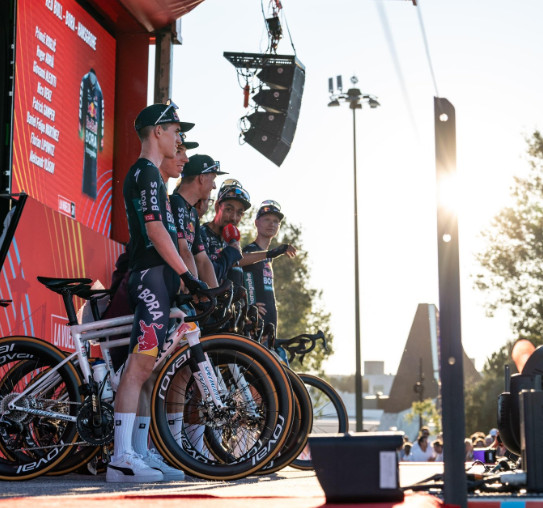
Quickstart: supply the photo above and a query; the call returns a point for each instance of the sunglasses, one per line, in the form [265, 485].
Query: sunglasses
[231, 182]
[234, 192]
[216, 167]
[269, 204]
[170, 105]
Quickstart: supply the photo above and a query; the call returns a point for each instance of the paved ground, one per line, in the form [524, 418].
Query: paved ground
[286, 483]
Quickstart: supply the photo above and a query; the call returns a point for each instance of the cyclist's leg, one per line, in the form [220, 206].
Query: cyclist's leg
[150, 291]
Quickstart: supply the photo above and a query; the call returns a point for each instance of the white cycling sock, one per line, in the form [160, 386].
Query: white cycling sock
[175, 422]
[140, 435]
[124, 424]
[195, 434]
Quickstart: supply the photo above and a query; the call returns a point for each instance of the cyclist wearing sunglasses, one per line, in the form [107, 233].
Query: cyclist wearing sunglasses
[197, 182]
[156, 269]
[232, 202]
[258, 276]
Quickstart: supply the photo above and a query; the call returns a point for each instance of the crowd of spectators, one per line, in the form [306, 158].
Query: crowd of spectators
[425, 449]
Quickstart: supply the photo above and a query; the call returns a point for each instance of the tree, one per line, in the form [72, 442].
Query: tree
[299, 307]
[512, 261]
[512, 276]
[427, 413]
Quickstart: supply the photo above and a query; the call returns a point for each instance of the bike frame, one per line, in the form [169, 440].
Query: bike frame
[101, 333]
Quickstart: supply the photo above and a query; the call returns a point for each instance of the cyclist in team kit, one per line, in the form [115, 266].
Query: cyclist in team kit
[232, 202]
[197, 182]
[156, 270]
[258, 276]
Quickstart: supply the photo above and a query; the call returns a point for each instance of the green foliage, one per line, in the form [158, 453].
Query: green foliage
[299, 306]
[425, 410]
[512, 271]
[481, 399]
[512, 277]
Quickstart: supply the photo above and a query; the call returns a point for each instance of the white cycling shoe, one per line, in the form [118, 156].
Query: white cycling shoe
[131, 467]
[154, 460]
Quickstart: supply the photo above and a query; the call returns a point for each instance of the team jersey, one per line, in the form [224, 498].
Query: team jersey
[187, 223]
[91, 128]
[258, 280]
[146, 200]
[222, 256]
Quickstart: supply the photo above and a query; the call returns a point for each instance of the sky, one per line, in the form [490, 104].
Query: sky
[484, 57]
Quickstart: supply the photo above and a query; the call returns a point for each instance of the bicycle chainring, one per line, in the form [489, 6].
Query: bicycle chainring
[101, 434]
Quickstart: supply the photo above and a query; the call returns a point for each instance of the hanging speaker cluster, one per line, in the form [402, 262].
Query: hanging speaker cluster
[278, 100]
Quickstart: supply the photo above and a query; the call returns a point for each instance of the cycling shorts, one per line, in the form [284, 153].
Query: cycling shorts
[151, 294]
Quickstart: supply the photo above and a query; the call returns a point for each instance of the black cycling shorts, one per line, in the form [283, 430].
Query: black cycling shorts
[151, 294]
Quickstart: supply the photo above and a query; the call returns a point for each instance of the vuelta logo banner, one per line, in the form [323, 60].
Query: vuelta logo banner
[64, 110]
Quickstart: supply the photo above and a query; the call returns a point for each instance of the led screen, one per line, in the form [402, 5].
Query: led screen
[64, 110]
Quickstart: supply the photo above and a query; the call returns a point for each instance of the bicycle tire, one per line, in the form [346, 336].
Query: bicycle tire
[246, 438]
[329, 414]
[301, 427]
[78, 456]
[30, 444]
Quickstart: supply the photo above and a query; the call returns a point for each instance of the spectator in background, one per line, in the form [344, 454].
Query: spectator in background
[437, 446]
[421, 451]
[405, 452]
[468, 446]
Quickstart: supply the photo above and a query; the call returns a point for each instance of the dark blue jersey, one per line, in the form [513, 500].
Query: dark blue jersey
[187, 223]
[146, 200]
[258, 280]
[223, 257]
[91, 128]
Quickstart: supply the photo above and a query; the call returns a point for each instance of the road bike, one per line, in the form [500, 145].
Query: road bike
[51, 407]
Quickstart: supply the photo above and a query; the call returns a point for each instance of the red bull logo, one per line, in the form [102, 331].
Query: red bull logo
[148, 341]
[91, 110]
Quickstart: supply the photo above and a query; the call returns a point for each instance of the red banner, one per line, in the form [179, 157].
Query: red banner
[50, 244]
[64, 110]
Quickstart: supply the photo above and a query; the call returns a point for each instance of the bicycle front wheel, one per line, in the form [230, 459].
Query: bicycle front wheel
[301, 427]
[36, 436]
[223, 443]
[329, 414]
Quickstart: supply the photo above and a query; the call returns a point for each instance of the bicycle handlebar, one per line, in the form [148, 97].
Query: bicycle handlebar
[224, 291]
[301, 344]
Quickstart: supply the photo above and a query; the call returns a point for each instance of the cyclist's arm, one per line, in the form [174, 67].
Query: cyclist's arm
[206, 271]
[250, 258]
[186, 256]
[164, 245]
[225, 260]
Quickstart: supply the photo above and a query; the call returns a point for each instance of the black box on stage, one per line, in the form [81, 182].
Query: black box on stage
[358, 467]
[531, 416]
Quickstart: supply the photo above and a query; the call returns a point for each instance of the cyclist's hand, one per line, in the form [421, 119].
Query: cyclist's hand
[282, 249]
[192, 283]
[291, 251]
[261, 309]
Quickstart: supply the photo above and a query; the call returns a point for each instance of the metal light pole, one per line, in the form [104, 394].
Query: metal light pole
[354, 97]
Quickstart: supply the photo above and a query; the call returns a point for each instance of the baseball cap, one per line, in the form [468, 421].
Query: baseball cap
[232, 189]
[202, 165]
[270, 206]
[157, 114]
[189, 145]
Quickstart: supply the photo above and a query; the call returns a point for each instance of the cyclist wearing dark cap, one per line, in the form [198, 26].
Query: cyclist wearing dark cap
[156, 268]
[197, 182]
[258, 276]
[232, 202]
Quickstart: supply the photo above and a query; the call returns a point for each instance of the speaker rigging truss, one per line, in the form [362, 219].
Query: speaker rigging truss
[278, 99]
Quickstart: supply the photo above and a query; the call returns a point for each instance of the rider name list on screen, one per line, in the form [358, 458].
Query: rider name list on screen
[64, 110]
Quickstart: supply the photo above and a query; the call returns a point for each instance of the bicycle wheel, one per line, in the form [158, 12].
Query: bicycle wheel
[329, 414]
[301, 427]
[229, 443]
[31, 444]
